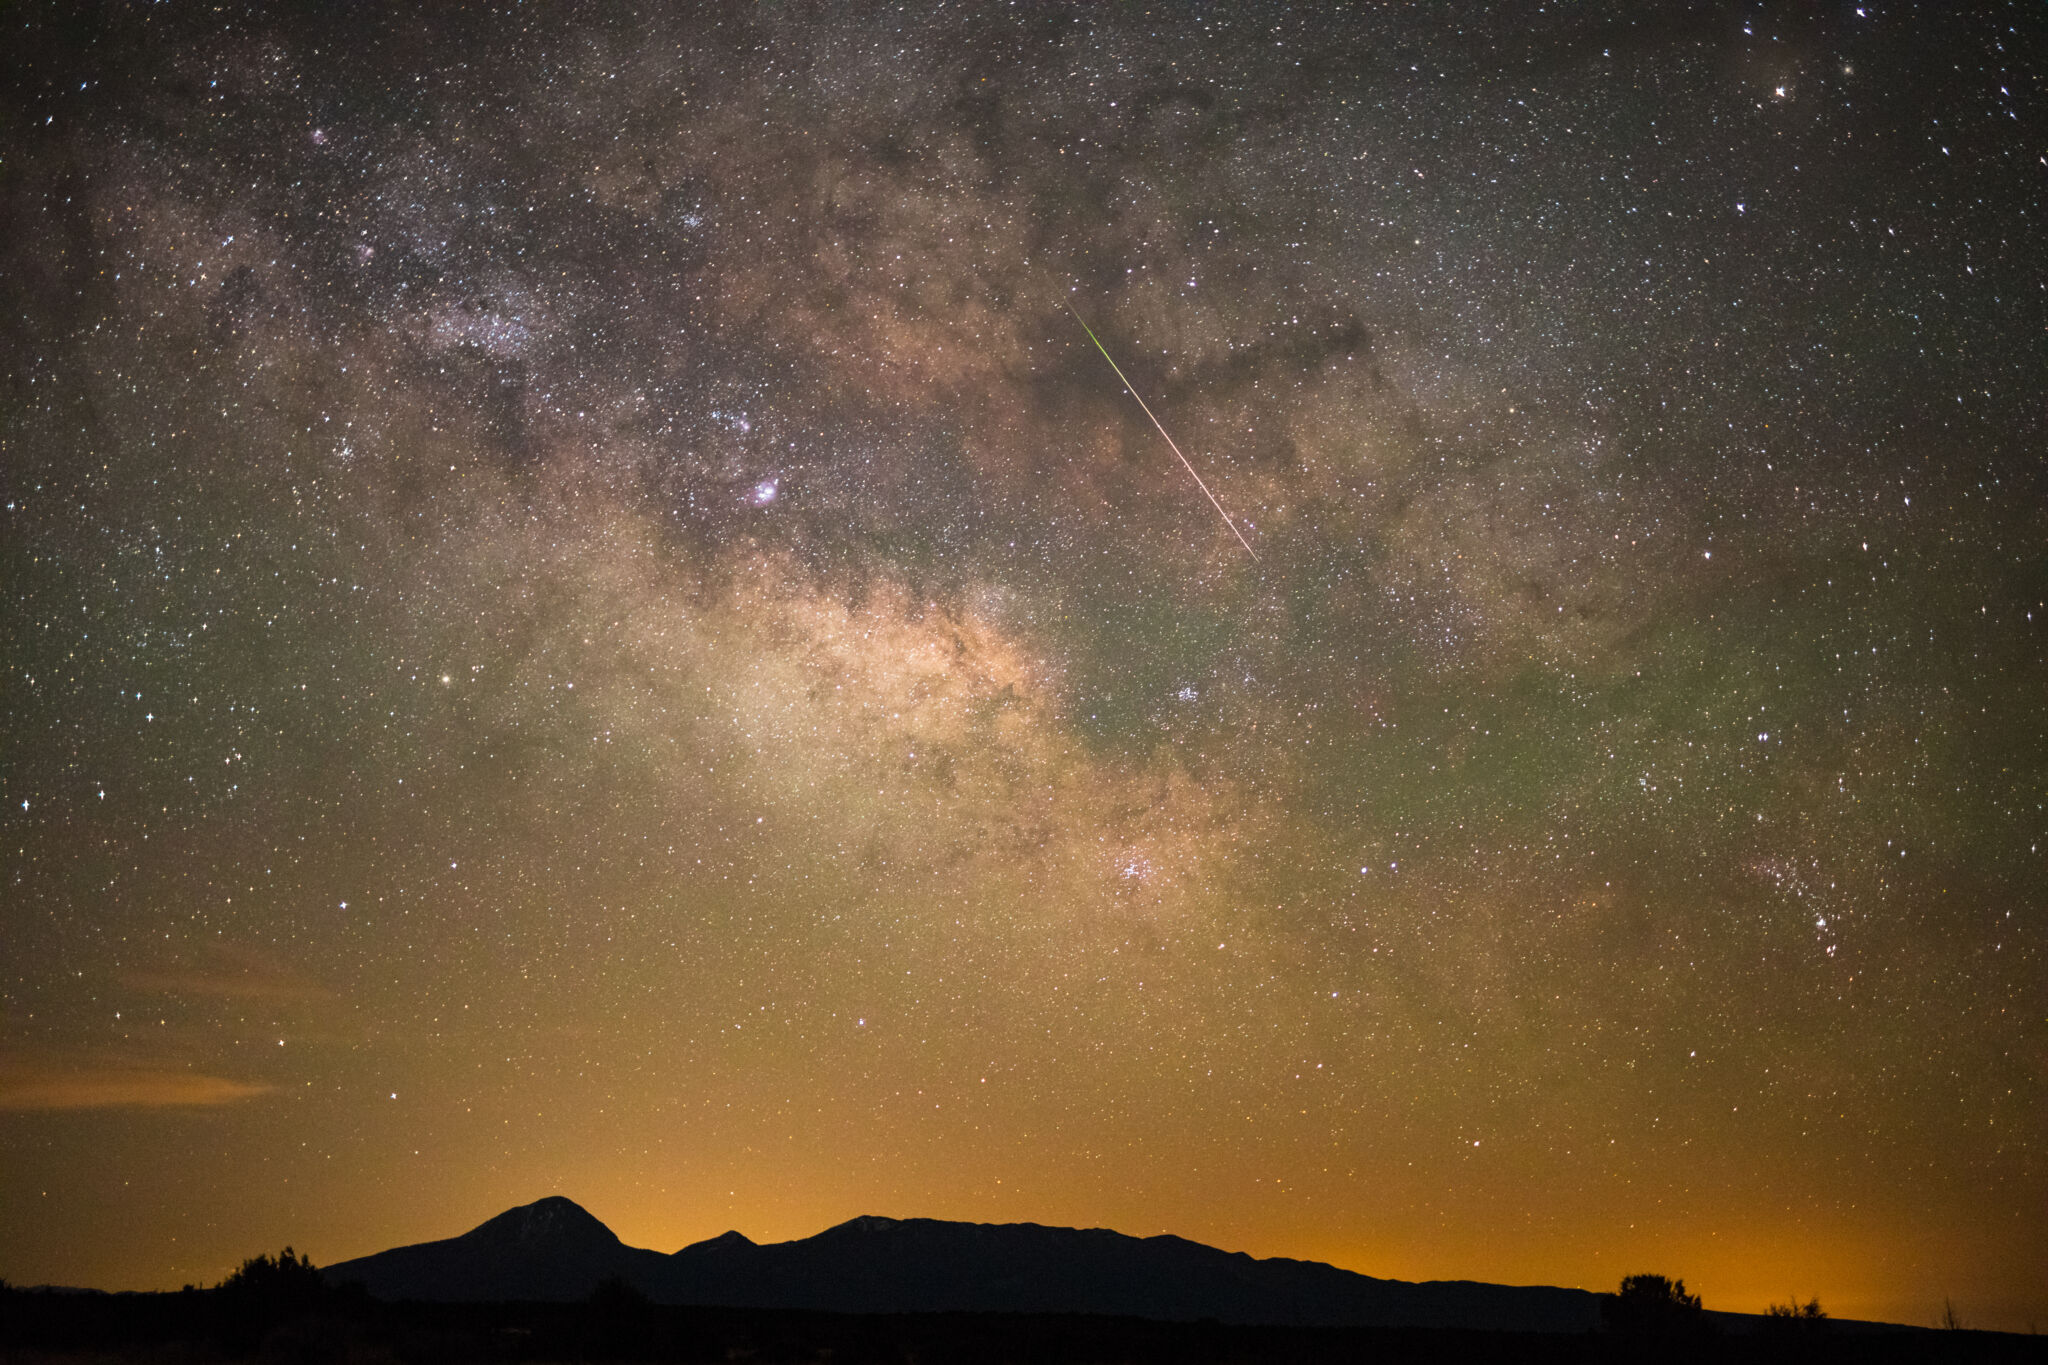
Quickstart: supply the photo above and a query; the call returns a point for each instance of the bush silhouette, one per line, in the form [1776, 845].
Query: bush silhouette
[267, 1291]
[287, 1280]
[1795, 1316]
[1652, 1306]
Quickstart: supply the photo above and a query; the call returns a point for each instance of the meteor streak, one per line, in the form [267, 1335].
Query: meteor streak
[1169, 440]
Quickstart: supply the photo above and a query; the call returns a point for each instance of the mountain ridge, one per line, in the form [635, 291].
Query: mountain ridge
[554, 1250]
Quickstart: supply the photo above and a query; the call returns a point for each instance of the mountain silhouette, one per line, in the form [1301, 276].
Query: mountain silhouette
[549, 1250]
[554, 1250]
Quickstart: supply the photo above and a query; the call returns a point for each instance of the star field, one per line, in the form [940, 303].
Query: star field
[582, 618]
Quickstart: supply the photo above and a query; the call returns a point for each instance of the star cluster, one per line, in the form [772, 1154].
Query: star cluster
[582, 617]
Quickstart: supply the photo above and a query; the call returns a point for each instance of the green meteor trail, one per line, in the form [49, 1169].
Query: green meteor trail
[1185, 464]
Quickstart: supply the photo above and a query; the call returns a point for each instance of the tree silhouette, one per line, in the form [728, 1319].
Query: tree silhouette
[1653, 1306]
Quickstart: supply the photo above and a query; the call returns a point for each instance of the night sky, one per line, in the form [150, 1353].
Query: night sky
[582, 617]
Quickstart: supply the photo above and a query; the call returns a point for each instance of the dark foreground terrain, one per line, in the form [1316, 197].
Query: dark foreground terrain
[201, 1326]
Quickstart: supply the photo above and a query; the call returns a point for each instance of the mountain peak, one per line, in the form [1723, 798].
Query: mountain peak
[553, 1221]
[724, 1241]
